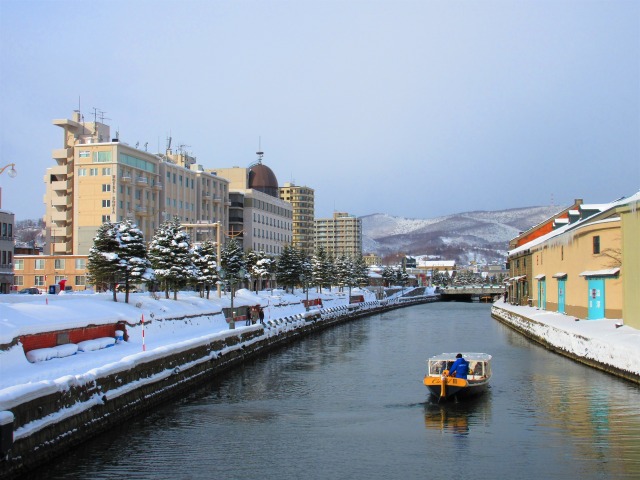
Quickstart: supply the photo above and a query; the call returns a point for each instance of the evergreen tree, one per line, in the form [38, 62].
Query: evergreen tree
[170, 255]
[342, 272]
[388, 275]
[205, 260]
[133, 265]
[361, 272]
[319, 274]
[232, 262]
[102, 263]
[288, 267]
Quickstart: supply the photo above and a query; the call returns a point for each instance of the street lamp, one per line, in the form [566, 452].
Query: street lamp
[12, 171]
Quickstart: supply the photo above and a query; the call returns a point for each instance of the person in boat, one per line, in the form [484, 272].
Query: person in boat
[460, 367]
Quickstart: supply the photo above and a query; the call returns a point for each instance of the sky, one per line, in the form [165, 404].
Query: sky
[412, 108]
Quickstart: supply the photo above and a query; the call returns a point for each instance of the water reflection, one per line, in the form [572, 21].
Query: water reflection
[457, 418]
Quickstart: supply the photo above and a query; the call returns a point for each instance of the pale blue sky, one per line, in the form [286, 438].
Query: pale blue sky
[426, 108]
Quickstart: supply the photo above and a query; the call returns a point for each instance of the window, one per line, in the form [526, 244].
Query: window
[596, 244]
[106, 203]
[58, 264]
[106, 187]
[18, 280]
[81, 280]
[82, 172]
[106, 171]
[106, 218]
[39, 264]
[93, 172]
[101, 157]
[80, 263]
[19, 264]
[84, 154]
[58, 278]
[38, 280]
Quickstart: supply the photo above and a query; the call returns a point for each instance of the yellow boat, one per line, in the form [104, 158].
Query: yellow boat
[444, 386]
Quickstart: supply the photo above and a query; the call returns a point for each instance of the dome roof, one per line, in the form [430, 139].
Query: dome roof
[263, 179]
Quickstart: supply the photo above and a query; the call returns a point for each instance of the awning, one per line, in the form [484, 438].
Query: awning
[607, 272]
[540, 277]
[519, 279]
[560, 275]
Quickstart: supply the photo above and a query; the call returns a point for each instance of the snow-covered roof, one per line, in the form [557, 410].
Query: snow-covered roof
[540, 276]
[559, 275]
[436, 263]
[572, 226]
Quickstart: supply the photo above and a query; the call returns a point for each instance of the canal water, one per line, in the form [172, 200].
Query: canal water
[348, 403]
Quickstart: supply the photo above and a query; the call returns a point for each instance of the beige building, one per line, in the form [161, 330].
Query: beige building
[340, 235]
[302, 201]
[98, 179]
[588, 268]
[258, 219]
[371, 260]
[43, 271]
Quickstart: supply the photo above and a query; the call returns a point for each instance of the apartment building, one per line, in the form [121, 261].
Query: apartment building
[7, 220]
[301, 199]
[100, 179]
[258, 219]
[339, 235]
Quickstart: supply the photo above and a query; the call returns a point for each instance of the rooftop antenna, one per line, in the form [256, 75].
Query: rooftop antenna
[260, 153]
[169, 144]
[145, 146]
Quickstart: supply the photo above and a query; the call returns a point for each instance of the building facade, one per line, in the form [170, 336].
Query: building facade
[43, 271]
[258, 219]
[7, 244]
[303, 203]
[340, 235]
[588, 267]
[98, 179]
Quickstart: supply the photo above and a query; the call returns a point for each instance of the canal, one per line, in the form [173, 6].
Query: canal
[349, 403]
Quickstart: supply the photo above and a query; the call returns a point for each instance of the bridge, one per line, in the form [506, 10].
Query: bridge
[471, 293]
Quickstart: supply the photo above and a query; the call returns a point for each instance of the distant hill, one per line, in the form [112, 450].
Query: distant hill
[482, 236]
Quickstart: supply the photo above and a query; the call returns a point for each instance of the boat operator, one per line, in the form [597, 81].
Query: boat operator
[460, 367]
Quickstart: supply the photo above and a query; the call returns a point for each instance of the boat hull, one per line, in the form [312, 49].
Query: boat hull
[454, 388]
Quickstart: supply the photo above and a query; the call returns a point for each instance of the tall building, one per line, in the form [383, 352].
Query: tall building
[302, 201]
[99, 179]
[340, 235]
[258, 218]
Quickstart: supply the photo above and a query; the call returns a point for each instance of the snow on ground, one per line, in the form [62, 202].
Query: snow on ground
[606, 341]
[29, 314]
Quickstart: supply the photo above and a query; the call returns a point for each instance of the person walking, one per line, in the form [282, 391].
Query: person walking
[261, 314]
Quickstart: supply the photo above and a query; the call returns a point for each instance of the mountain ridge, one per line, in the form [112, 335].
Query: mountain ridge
[479, 235]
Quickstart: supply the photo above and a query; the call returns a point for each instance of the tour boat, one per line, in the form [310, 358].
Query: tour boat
[443, 386]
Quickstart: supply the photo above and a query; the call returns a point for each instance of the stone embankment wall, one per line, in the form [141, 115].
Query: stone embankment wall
[49, 420]
[577, 347]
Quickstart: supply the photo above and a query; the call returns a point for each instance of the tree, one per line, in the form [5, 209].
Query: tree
[205, 260]
[102, 263]
[232, 269]
[361, 272]
[388, 275]
[170, 255]
[288, 267]
[320, 269]
[133, 265]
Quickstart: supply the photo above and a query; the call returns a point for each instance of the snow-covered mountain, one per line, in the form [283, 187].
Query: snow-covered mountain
[482, 236]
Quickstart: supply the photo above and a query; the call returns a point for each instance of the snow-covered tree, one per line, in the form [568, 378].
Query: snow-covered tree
[361, 272]
[170, 255]
[343, 272]
[133, 265]
[259, 266]
[102, 263]
[319, 268]
[388, 275]
[205, 260]
[401, 276]
[288, 267]
[232, 263]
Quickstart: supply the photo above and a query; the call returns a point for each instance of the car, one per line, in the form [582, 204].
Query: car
[30, 291]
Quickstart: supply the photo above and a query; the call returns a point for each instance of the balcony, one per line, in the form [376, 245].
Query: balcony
[59, 200]
[157, 186]
[59, 185]
[125, 179]
[61, 153]
[60, 216]
[142, 180]
[60, 247]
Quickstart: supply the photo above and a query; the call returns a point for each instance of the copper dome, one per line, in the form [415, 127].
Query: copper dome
[263, 179]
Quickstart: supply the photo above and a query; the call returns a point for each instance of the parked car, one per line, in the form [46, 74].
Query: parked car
[30, 291]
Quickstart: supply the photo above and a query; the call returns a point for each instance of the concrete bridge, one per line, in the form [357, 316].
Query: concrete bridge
[471, 293]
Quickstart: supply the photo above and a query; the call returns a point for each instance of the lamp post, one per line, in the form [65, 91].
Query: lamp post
[12, 171]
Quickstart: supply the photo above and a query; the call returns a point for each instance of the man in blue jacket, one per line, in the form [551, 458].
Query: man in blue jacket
[460, 367]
